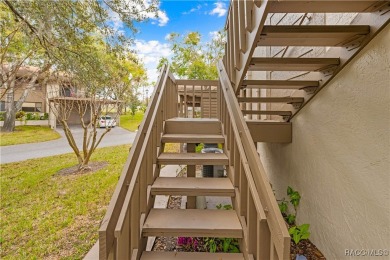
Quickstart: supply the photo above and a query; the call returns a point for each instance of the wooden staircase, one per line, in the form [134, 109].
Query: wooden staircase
[131, 218]
[192, 222]
[302, 55]
[233, 116]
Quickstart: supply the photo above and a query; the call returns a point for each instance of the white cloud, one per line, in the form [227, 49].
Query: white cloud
[220, 9]
[198, 7]
[214, 35]
[162, 18]
[151, 52]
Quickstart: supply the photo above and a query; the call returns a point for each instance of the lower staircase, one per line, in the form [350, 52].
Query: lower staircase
[192, 222]
[255, 219]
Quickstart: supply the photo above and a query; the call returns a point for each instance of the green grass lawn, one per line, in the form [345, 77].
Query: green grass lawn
[28, 134]
[47, 216]
[130, 122]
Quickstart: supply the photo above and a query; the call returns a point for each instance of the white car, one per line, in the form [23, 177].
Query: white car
[106, 121]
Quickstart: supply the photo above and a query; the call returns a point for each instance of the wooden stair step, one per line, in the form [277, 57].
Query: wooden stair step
[193, 159]
[288, 100]
[192, 186]
[267, 112]
[311, 35]
[192, 138]
[193, 126]
[192, 223]
[147, 255]
[279, 84]
[292, 64]
[335, 6]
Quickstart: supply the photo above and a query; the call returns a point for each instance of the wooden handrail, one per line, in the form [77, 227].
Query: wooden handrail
[244, 24]
[109, 222]
[241, 145]
[147, 134]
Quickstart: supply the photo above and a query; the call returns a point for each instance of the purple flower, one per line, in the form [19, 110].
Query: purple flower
[181, 241]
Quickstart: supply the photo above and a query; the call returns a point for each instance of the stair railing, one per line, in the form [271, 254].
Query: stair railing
[120, 232]
[265, 232]
[197, 98]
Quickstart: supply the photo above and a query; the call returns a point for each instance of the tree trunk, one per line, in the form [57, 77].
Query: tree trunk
[10, 112]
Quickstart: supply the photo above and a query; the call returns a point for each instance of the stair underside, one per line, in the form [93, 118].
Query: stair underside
[271, 99]
[336, 6]
[193, 159]
[311, 35]
[267, 112]
[190, 256]
[192, 223]
[193, 186]
[292, 64]
[192, 138]
[279, 84]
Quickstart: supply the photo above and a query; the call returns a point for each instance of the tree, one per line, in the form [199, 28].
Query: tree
[53, 34]
[103, 92]
[77, 43]
[192, 59]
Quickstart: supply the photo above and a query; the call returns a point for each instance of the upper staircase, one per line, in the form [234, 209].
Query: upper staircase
[241, 108]
[281, 53]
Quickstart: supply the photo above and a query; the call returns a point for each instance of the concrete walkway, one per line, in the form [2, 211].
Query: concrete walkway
[21, 152]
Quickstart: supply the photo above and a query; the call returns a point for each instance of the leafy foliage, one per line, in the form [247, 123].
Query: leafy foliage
[295, 197]
[225, 207]
[299, 233]
[192, 59]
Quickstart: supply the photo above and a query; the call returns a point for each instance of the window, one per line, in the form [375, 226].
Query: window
[32, 107]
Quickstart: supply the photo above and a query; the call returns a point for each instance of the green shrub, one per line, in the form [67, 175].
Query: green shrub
[2, 116]
[20, 114]
[29, 116]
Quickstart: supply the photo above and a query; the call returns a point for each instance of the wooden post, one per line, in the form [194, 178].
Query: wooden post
[191, 172]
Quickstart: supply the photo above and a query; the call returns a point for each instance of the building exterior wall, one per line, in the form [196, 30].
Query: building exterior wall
[36, 95]
[339, 159]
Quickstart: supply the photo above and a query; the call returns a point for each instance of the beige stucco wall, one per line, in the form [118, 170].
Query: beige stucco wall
[339, 159]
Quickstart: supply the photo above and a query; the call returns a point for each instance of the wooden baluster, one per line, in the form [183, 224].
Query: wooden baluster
[123, 241]
[232, 61]
[252, 225]
[264, 238]
[143, 185]
[241, 20]
[249, 16]
[185, 102]
[202, 103]
[210, 101]
[236, 33]
[243, 187]
[135, 217]
[237, 168]
[193, 101]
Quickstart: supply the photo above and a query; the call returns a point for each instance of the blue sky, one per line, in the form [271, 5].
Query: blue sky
[181, 17]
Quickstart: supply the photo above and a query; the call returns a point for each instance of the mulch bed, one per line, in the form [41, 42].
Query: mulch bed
[306, 248]
[168, 243]
[93, 166]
